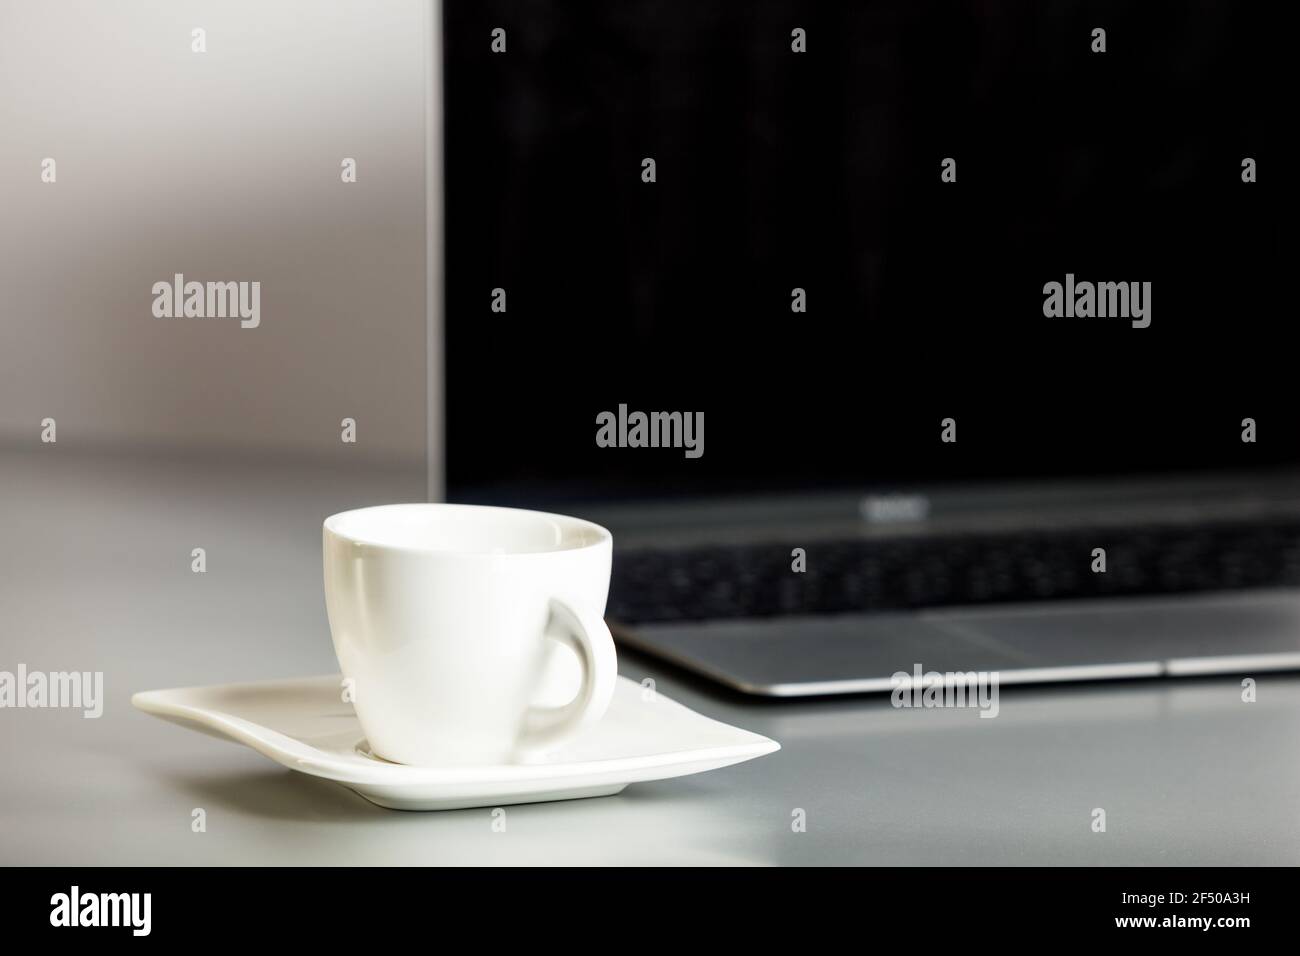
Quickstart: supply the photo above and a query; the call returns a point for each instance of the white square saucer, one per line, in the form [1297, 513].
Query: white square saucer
[305, 725]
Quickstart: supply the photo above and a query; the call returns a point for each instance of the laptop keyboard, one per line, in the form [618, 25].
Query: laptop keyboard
[653, 586]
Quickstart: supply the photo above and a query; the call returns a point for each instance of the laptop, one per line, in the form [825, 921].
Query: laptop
[881, 338]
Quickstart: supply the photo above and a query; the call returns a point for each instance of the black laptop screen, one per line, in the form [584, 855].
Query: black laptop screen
[848, 234]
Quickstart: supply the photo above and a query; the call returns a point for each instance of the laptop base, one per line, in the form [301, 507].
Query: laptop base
[1098, 639]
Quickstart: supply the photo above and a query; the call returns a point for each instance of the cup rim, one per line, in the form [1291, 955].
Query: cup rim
[603, 537]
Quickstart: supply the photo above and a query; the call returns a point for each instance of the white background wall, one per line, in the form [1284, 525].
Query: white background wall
[224, 166]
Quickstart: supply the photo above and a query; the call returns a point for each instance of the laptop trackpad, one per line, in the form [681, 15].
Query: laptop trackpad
[818, 655]
[1177, 635]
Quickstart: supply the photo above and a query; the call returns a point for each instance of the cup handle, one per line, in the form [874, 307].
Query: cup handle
[585, 632]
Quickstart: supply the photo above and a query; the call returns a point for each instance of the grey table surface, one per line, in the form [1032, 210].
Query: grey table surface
[96, 576]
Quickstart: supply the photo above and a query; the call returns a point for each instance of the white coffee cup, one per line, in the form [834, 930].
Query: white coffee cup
[448, 621]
